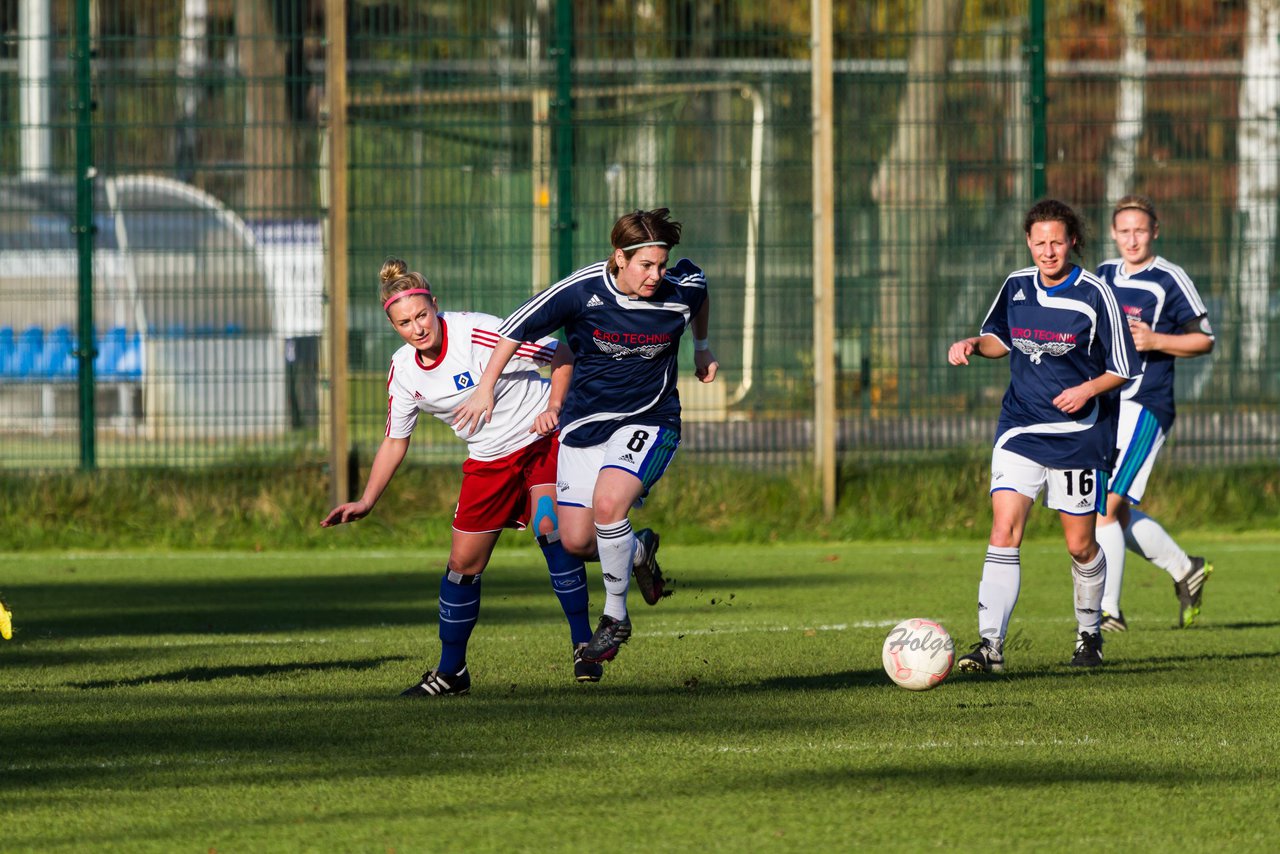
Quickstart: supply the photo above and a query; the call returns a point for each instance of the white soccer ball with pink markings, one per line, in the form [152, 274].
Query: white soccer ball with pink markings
[918, 654]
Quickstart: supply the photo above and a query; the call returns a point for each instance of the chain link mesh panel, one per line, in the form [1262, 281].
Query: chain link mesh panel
[493, 143]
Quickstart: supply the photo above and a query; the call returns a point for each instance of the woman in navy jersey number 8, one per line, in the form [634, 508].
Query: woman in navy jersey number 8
[1070, 350]
[623, 319]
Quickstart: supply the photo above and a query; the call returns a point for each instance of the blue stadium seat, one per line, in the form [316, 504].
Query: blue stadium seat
[27, 352]
[111, 347]
[6, 350]
[56, 361]
[130, 364]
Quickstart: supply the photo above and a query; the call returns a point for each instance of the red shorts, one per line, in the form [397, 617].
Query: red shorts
[495, 493]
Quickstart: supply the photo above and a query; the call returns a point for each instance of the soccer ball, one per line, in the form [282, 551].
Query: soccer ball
[918, 654]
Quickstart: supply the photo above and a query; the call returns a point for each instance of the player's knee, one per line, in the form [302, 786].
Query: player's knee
[610, 509]
[545, 520]
[1081, 549]
[584, 548]
[1006, 535]
[463, 565]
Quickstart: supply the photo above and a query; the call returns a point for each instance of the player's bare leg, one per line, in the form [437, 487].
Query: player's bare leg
[615, 492]
[1110, 536]
[459, 611]
[1088, 574]
[1001, 581]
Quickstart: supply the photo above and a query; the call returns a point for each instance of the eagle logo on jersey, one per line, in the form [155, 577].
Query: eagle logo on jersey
[619, 351]
[463, 381]
[1036, 351]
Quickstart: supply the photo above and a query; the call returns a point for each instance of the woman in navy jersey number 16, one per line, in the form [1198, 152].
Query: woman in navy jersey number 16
[1070, 350]
[510, 471]
[1168, 321]
[623, 319]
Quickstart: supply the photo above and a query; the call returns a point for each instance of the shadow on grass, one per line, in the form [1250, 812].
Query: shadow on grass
[93, 609]
[210, 674]
[1235, 626]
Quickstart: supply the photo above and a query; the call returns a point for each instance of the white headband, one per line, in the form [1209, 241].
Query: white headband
[640, 245]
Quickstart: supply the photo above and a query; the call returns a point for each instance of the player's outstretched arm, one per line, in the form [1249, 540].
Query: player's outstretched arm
[478, 408]
[561, 372]
[986, 346]
[1185, 346]
[705, 365]
[390, 454]
[1072, 399]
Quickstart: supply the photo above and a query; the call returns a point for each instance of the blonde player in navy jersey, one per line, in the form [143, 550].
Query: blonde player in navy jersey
[620, 426]
[510, 471]
[1168, 321]
[1069, 349]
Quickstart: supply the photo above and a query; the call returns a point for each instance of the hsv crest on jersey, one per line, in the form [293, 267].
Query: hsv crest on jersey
[463, 380]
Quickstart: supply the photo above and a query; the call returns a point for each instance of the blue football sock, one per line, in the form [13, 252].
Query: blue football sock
[459, 609]
[569, 580]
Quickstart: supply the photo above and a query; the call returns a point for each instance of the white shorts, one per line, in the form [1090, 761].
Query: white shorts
[1078, 492]
[642, 449]
[1139, 441]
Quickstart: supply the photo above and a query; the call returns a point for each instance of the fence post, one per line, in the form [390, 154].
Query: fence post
[1039, 100]
[562, 109]
[336, 256]
[84, 230]
[824, 235]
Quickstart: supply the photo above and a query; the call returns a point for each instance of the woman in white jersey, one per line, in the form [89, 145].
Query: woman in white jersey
[624, 318]
[1069, 351]
[509, 475]
[1168, 321]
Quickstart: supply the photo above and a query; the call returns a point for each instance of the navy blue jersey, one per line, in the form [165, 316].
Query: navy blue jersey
[625, 348]
[1162, 296]
[1058, 338]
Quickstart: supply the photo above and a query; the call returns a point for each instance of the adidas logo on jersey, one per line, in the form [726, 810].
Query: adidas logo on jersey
[627, 458]
[1084, 502]
[417, 395]
[594, 301]
[1019, 296]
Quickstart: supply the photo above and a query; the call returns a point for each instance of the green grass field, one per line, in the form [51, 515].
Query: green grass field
[247, 702]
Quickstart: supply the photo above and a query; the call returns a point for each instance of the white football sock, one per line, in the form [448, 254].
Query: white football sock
[1111, 539]
[616, 543]
[998, 591]
[1088, 580]
[1145, 536]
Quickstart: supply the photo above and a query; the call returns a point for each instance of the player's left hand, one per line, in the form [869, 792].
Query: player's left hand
[705, 365]
[1072, 400]
[546, 422]
[1143, 338]
[474, 412]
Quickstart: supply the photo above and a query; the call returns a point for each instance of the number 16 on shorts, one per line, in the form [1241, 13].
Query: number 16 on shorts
[1076, 491]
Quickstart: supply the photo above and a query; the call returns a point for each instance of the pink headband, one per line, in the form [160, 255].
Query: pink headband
[386, 305]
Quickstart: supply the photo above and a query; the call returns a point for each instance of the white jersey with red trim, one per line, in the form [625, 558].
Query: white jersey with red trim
[441, 386]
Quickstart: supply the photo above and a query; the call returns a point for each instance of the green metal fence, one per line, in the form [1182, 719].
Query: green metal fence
[166, 174]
